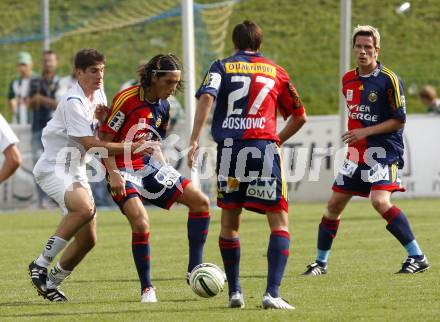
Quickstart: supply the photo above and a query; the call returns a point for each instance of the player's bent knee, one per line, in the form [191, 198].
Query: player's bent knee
[380, 204]
[87, 212]
[138, 220]
[229, 227]
[203, 202]
[335, 207]
[278, 221]
[141, 225]
[197, 201]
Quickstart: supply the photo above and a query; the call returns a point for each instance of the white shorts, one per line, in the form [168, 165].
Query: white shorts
[56, 185]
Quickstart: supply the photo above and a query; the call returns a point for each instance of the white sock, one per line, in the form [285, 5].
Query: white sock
[56, 275]
[53, 246]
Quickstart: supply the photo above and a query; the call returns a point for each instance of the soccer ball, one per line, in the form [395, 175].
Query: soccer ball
[207, 280]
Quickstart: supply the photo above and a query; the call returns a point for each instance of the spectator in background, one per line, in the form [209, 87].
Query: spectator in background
[8, 141]
[42, 101]
[66, 83]
[19, 90]
[428, 97]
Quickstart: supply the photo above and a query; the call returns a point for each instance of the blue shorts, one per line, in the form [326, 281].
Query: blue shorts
[360, 179]
[159, 185]
[249, 175]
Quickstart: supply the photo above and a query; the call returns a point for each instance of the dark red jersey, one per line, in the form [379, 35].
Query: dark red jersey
[371, 100]
[133, 118]
[249, 89]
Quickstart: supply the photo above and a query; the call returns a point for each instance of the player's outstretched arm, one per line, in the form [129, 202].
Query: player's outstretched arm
[292, 126]
[204, 106]
[117, 148]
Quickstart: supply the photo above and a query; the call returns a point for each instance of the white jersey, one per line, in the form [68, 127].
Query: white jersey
[72, 119]
[7, 136]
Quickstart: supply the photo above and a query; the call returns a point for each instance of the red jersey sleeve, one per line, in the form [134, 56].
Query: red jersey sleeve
[289, 102]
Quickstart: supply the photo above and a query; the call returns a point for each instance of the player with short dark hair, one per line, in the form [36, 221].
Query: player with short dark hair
[247, 89]
[247, 35]
[42, 101]
[61, 173]
[376, 118]
[88, 57]
[142, 112]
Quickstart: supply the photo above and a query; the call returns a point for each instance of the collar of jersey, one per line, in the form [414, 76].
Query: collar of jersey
[79, 90]
[374, 73]
[247, 53]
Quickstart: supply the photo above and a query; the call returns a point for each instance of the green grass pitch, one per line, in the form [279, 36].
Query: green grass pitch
[360, 285]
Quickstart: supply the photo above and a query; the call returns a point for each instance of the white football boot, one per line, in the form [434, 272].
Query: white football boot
[270, 302]
[149, 295]
[236, 300]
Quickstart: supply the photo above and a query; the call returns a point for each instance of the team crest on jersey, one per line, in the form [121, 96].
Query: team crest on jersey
[158, 121]
[372, 97]
[349, 94]
[117, 121]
